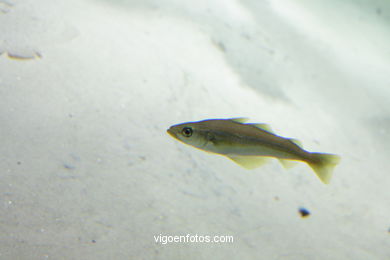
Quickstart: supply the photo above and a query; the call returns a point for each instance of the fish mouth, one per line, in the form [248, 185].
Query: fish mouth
[171, 133]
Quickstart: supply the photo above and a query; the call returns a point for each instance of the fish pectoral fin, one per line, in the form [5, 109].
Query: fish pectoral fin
[287, 164]
[240, 119]
[264, 127]
[249, 162]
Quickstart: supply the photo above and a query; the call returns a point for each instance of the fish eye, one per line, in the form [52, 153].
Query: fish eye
[187, 131]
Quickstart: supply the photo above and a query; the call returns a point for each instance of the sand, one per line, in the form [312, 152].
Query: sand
[88, 89]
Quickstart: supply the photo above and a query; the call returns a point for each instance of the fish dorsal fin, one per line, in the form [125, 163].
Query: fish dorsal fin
[295, 141]
[240, 119]
[287, 164]
[249, 162]
[264, 127]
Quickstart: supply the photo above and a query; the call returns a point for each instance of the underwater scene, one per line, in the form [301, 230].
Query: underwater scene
[177, 129]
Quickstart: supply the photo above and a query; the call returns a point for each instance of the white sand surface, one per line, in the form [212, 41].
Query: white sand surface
[89, 87]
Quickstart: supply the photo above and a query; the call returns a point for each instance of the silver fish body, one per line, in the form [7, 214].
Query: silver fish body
[250, 145]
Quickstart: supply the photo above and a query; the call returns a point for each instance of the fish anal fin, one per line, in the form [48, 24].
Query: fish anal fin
[264, 127]
[287, 164]
[240, 119]
[249, 162]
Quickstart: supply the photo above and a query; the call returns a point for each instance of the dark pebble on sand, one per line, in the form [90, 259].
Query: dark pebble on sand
[304, 212]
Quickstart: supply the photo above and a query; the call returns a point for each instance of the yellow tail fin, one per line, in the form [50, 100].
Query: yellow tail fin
[323, 165]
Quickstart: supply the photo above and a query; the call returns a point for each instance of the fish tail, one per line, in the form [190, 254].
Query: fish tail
[323, 165]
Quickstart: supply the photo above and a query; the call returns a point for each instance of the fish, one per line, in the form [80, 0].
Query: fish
[251, 145]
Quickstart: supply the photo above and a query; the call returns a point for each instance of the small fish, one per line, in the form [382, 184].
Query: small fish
[251, 145]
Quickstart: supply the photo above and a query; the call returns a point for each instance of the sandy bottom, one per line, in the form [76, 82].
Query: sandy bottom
[88, 89]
